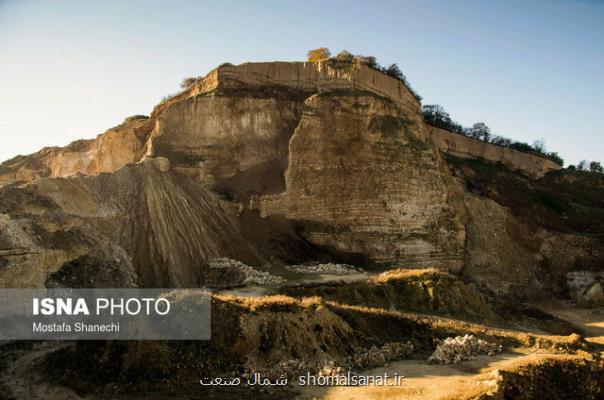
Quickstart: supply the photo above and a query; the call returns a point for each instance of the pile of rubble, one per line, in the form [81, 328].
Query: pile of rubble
[467, 347]
[225, 272]
[378, 356]
[328, 268]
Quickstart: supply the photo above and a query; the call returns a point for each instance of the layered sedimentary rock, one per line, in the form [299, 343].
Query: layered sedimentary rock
[289, 162]
[341, 154]
[363, 180]
[525, 235]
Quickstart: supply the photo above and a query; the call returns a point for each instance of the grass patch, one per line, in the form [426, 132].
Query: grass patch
[391, 126]
[394, 127]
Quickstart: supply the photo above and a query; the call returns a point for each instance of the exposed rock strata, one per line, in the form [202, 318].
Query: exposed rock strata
[361, 179]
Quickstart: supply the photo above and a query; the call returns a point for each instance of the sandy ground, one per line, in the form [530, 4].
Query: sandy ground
[425, 381]
[22, 383]
[439, 382]
[590, 320]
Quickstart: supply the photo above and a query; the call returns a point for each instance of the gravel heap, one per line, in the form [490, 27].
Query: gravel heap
[467, 347]
[378, 356]
[246, 275]
[329, 268]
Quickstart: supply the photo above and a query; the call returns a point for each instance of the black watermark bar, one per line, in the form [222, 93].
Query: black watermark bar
[105, 314]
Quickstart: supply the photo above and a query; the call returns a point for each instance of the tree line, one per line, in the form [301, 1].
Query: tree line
[436, 115]
[590, 166]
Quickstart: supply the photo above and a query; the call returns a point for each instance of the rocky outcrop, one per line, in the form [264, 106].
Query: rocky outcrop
[232, 128]
[315, 144]
[107, 153]
[264, 165]
[234, 144]
[307, 78]
[523, 236]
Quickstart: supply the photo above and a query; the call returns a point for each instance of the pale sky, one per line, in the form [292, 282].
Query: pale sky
[530, 69]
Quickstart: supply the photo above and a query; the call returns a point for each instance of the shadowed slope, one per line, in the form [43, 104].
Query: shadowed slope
[153, 228]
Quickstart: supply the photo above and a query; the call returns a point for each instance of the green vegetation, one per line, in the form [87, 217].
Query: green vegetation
[390, 126]
[343, 61]
[588, 166]
[436, 115]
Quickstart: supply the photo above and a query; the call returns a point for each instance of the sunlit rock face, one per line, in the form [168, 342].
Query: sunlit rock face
[363, 180]
[351, 168]
[108, 152]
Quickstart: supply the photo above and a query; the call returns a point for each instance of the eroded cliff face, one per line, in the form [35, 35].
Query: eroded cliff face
[363, 180]
[108, 152]
[277, 163]
[350, 168]
[234, 144]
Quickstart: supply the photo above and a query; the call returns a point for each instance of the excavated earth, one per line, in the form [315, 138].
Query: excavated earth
[337, 230]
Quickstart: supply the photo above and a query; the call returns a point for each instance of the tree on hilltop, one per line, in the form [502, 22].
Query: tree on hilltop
[344, 56]
[501, 141]
[435, 113]
[188, 82]
[369, 61]
[394, 71]
[479, 131]
[539, 146]
[320, 54]
[595, 166]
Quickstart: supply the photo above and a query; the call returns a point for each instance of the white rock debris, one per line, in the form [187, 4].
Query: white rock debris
[328, 268]
[467, 347]
[251, 276]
